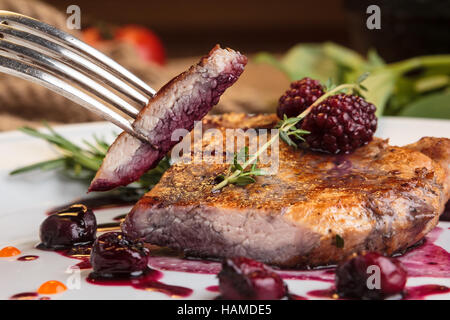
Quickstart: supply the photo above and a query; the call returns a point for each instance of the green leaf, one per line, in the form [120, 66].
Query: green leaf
[430, 83]
[430, 106]
[284, 136]
[374, 59]
[304, 60]
[343, 56]
[362, 77]
[380, 86]
[44, 165]
[244, 180]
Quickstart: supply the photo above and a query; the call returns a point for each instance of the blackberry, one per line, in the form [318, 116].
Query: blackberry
[300, 96]
[352, 277]
[340, 124]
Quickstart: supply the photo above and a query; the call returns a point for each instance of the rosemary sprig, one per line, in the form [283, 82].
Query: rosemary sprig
[81, 162]
[286, 129]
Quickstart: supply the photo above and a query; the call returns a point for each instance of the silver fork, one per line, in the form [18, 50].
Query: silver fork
[41, 53]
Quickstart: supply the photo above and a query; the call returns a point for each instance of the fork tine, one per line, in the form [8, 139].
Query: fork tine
[25, 71]
[74, 45]
[26, 55]
[69, 56]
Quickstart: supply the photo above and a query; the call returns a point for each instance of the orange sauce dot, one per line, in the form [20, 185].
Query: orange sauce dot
[9, 252]
[52, 287]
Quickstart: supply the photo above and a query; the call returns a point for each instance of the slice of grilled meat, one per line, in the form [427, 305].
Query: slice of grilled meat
[185, 99]
[380, 198]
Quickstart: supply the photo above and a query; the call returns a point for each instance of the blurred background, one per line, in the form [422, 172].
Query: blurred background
[408, 57]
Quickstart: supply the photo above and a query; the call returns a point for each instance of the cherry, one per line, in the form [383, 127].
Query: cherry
[115, 255]
[242, 278]
[75, 225]
[352, 277]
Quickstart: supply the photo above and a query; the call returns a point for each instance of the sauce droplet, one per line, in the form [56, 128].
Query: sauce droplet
[52, 287]
[213, 288]
[27, 258]
[25, 296]
[9, 252]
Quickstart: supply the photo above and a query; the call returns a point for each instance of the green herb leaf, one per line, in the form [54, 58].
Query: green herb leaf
[244, 180]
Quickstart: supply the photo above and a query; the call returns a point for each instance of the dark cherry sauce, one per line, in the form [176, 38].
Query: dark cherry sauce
[81, 253]
[149, 282]
[427, 260]
[324, 275]
[421, 292]
[100, 202]
[28, 296]
[329, 293]
[25, 296]
[213, 288]
[27, 258]
[410, 293]
[296, 297]
[184, 265]
[213, 267]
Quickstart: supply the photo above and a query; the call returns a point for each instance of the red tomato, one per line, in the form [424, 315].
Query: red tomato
[92, 36]
[147, 43]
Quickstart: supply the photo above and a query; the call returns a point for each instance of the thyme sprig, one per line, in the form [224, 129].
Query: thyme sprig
[286, 128]
[243, 177]
[81, 162]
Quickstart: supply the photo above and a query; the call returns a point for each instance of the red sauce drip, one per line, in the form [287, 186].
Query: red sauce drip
[148, 282]
[25, 296]
[325, 275]
[79, 253]
[411, 293]
[100, 202]
[329, 293]
[213, 288]
[427, 260]
[185, 265]
[421, 292]
[28, 258]
[296, 297]
[83, 265]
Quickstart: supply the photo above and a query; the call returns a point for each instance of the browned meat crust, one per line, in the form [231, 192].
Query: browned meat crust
[381, 198]
[438, 150]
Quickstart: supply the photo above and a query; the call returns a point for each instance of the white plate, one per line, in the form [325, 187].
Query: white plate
[25, 198]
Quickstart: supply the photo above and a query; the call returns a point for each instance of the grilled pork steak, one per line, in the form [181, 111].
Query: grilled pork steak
[185, 99]
[380, 198]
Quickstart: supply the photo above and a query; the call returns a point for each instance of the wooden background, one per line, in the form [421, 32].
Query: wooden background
[188, 27]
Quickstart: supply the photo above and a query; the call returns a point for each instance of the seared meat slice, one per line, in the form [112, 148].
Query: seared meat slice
[380, 198]
[185, 99]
